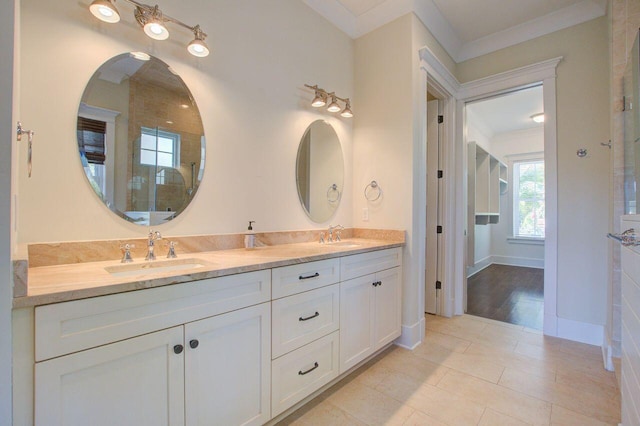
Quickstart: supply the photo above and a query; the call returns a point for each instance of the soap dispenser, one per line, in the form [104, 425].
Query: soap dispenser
[250, 236]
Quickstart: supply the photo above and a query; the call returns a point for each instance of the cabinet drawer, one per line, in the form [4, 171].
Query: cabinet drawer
[303, 371]
[368, 263]
[73, 326]
[304, 317]
[293, 279]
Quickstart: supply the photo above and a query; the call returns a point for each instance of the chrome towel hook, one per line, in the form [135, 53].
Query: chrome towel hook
[21, 131]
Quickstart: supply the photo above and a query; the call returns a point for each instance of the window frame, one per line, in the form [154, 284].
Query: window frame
[515, 201]
[159, 133]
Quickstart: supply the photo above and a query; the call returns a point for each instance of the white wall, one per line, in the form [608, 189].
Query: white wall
[6, 148]
[582, 122]
[250, 94]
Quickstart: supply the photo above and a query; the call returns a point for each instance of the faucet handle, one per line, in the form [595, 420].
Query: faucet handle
[322, 238]
[338, 234]
[126, 257]
[172, 250]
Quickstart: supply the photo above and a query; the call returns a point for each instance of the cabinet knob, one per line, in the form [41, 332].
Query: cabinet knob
[193, 343]
[177, 349]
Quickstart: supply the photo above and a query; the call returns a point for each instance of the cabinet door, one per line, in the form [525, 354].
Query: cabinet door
[139, 381]
[356, 320]
[387, 307]
[227, 368]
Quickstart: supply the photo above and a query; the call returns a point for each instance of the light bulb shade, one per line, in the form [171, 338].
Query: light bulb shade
[333, 106]
[156, 30]
[105, 11]
[318, 101]
[346, 112]
[198, 47]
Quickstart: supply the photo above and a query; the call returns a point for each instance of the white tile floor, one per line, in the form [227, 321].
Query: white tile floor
[473, 371]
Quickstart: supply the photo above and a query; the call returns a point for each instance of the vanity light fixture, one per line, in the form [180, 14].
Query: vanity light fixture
[322, 97]
[152, 21]
[538, 118]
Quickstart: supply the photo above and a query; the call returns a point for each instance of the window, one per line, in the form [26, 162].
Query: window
[528, 199]
[159, 148]
[91, 143]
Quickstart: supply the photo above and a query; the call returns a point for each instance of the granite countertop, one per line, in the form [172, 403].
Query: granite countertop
[62, 283]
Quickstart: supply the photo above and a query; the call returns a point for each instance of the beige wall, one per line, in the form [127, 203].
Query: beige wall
[385, 137]
[583, 122]
[250, 94]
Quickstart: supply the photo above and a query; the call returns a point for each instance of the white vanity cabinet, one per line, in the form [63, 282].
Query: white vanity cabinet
[211, 366]
[306, 320]
[370, 308]
[234, 350]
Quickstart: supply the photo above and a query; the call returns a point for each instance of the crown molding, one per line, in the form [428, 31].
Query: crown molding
[575, 14]
[334, 12]
[435, 22]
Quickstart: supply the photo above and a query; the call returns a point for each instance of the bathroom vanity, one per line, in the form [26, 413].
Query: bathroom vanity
[240, 338]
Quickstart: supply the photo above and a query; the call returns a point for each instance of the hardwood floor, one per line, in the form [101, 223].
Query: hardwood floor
[510, 294]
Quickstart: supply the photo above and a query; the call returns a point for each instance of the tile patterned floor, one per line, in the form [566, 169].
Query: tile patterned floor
[473, 371]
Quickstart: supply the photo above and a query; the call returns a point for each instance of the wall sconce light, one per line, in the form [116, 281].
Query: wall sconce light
[538, 118]
[152, 21]
[322, 97]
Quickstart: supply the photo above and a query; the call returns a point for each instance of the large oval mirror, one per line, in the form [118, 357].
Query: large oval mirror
[320, 171]
[141, 139]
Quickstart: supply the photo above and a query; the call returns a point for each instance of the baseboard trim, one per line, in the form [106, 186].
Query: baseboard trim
[526, 262]
[607, 351]
[411, 335]
[583, 332]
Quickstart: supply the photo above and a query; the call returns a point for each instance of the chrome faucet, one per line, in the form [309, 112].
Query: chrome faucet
[337, 228]
[153, 237]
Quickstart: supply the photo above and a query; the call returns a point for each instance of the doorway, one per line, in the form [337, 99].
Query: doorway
[506, 207]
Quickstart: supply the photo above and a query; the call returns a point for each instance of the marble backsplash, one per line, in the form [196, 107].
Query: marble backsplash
[63, 253]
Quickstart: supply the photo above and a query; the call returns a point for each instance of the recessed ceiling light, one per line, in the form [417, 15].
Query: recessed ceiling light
[538, 118]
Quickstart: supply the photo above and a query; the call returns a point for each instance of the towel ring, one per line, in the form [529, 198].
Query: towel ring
[375, 188]
[333, 189]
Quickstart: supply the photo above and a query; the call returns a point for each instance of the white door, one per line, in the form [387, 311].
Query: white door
[357, 307]
[228, 368]
[433, 195]
[138, 381]
[387, 307]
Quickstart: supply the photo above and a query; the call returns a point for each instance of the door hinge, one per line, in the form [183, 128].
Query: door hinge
[439, 229]
[438, 285]
[440, 174]
[440, 119]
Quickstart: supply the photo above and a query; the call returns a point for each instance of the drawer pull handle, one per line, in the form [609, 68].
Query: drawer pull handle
[317, 314]
[177, 349]
[302, 373]
[377, 283]
[194, 343]
[317, 274]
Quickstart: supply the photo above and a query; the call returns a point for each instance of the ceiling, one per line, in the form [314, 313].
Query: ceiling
[465, 28]
[507, 113]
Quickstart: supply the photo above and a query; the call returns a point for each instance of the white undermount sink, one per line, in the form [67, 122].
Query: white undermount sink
[155, 267]
[344, 244]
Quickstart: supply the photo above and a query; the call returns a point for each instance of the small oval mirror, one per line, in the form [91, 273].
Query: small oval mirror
[320, 171]
[141, 139]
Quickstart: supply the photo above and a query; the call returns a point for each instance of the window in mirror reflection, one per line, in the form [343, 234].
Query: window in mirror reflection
[91, 143]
